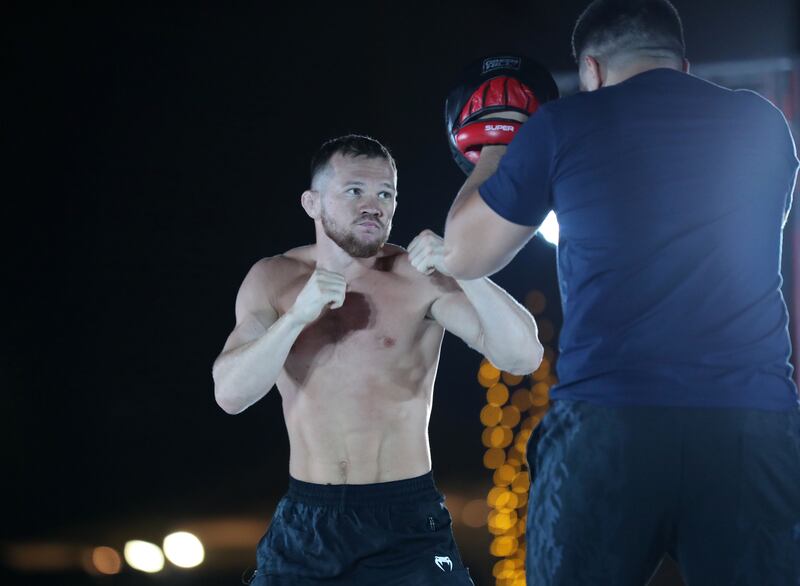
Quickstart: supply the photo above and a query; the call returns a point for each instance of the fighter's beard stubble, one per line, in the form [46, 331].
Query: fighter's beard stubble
[347, 240]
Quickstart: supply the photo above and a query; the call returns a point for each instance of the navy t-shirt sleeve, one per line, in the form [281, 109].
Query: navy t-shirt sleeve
[774, 134]
[791, 150]
[519, 190]
[781, 137]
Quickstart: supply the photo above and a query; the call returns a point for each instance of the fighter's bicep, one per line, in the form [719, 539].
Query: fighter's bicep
[254, 310]
[455, 313]
[249, 327]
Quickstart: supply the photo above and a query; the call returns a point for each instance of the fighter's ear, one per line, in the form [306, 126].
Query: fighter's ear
[310, 202]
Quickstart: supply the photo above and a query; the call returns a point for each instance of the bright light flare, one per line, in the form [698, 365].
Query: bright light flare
[106, 560]
[184, 549]
[549, 228]
[144, 556]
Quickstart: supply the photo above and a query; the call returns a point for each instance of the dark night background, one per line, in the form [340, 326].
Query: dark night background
[157, 150]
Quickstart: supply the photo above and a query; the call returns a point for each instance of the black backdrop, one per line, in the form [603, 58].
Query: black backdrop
[157, 150]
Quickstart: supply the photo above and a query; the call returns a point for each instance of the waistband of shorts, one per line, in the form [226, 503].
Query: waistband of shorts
[418, 489]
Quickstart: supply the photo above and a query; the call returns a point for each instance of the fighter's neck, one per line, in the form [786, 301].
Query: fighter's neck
[329, 256]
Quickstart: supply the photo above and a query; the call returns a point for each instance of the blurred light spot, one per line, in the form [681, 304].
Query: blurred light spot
[500, 437]
[491, 523]
[495, 437]
[517, 460]
[530, 422]
[508, 500]
[546, 330]
[510, 416]
[491, 415]
[184, 549]
[508, 437]
[494, 458]
[503, 569]
[519, 530]
[505, 521]
[503, 546]
[540, 394]
[521, 483]
[486, 437]
[543, 371]
[535, 302]
[539, 411]
[504, 475]
[521, 399]
[521, 442]
[491, 498]
[474, 513]
[144, 556]
[549, 228]
[106, 560]
[486, 382]
[512, 379]
[514, 454]
[488, 374]
[497, 394]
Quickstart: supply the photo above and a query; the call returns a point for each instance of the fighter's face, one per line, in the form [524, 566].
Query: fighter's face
[358, 200]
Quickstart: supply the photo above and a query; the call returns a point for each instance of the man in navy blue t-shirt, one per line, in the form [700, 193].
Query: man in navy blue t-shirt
[675, 425]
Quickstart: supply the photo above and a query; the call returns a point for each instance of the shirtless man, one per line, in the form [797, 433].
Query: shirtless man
[350, 330]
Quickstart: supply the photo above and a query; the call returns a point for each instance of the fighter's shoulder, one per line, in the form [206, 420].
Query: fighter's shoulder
[431, 285]
[272, 271]
[394, 259]
[393, 252]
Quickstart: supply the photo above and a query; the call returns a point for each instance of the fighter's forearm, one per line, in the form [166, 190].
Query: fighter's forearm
[509, 337]
[245, 374]
[459, 232]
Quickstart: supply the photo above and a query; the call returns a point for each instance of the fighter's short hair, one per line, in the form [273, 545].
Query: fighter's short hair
[349, 145]
[616, 27]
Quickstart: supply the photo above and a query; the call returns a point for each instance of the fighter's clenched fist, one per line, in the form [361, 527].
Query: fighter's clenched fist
[323, 288]
[426, 253]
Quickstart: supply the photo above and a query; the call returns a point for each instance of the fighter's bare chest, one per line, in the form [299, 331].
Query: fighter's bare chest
[377, 315]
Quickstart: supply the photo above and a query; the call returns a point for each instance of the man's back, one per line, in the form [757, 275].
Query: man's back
[670, 193]
[675, 406]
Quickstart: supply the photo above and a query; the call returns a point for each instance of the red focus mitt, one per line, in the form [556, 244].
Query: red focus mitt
[504, 83]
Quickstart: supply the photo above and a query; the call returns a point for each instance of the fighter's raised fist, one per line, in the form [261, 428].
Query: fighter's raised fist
[323, 289]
